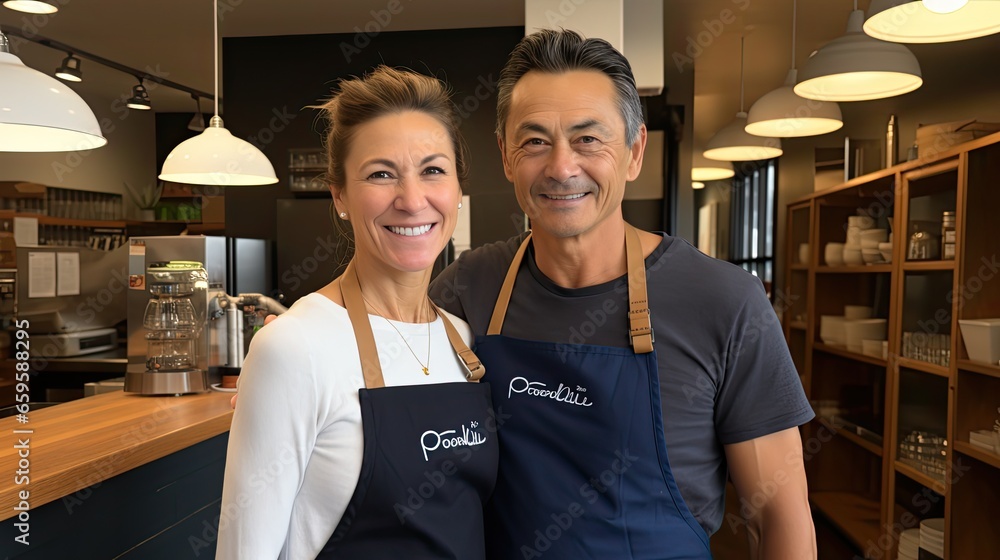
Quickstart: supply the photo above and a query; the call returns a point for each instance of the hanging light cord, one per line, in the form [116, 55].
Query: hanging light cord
[741, 73]
[215, 21]
[794, 8]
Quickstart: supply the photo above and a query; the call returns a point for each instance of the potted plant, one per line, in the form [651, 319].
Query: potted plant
[146, 199]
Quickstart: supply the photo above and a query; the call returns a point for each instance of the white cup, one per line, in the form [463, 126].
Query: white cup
[803, 253]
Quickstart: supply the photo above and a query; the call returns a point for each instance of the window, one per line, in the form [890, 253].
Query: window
[752, 224]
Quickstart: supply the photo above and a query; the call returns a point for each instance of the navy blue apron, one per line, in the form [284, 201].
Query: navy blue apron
[429, 463]
[583, 460]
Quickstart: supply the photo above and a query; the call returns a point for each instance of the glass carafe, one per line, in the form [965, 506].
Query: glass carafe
[170, 315]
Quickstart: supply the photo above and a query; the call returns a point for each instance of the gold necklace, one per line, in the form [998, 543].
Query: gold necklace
[383, 315]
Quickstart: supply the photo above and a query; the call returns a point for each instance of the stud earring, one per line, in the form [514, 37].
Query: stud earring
[459, 205]
[343, 215]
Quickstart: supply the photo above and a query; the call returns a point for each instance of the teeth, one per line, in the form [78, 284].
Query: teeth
[410, 231]
[566, 197]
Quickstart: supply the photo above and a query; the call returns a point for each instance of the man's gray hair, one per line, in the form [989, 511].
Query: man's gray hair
[563, 51]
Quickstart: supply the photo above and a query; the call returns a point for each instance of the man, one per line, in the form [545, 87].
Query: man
[609, 349]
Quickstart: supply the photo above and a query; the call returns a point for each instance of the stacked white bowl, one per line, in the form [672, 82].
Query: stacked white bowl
[909, 545]
[856, 225]
[932, 536]
[855, 329]
[870, 241]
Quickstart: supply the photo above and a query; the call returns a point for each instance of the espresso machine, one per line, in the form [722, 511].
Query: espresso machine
[177, 333]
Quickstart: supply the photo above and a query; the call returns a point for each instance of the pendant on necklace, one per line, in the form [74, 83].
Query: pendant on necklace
[426, 372]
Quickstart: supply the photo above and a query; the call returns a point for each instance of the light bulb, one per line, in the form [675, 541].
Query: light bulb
[944, 6]
[697, 185]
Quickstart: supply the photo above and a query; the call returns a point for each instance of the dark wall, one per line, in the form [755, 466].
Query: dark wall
[269, 82]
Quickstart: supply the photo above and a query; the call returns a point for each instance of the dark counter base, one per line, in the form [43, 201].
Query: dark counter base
[166, 509]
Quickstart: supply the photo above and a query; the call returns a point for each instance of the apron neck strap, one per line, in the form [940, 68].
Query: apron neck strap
[640, 328]
[350, 289]
[500, 309]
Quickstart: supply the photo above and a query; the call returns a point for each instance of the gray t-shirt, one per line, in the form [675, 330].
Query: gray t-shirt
[725, 372]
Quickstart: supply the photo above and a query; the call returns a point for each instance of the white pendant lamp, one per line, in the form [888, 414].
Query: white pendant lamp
[38, 113]
[216, 157]
[915, 21]
[944, 6]
[732, 143]
[783, 114]
[32, 6]
[704, 169]
[856, 67]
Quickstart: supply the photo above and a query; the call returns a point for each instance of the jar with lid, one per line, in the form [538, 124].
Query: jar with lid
[948, 235]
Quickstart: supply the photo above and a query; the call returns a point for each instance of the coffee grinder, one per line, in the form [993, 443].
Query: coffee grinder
[176, 340]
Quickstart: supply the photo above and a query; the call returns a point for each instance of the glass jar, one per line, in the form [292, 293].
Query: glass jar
[948, 235]
[924, 243]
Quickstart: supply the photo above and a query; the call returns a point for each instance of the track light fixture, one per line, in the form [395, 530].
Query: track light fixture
[69, 70]
[32, 6]
[140, 98]
[197, 123]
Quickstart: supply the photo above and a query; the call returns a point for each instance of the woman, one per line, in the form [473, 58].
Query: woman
[373, 442]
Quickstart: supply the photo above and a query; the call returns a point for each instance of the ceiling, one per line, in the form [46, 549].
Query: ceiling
[174, 39]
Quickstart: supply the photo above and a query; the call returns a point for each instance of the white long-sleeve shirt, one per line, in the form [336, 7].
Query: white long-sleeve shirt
[296, 441]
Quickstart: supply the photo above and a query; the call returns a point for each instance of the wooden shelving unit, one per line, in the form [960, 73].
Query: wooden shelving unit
[857, 517]
[861, 489]
[54, 221]
[847, 433]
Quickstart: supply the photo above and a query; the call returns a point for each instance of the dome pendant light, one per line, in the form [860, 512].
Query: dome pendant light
[704, 169]
[945, 6]
[783, 114]
[38, 113]
[32, 6]
[732, 143]
[916, 21]
[216, 157]
[856, 67]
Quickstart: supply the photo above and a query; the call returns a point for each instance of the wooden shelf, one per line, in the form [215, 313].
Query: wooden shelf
[854, 269]
[798, 325]
[846, 433]
[799, 266]
[925, 367]
[920, 477]
[213, 227]
[978, 367]
[53, 221]
[856, 517]
[977, 453]
[845, 353]
[918, 266]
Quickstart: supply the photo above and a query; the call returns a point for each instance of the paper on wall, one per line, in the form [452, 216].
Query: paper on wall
[67, 274]
[41, 275]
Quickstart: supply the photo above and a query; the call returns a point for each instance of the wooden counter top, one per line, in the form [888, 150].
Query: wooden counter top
[80, 443]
